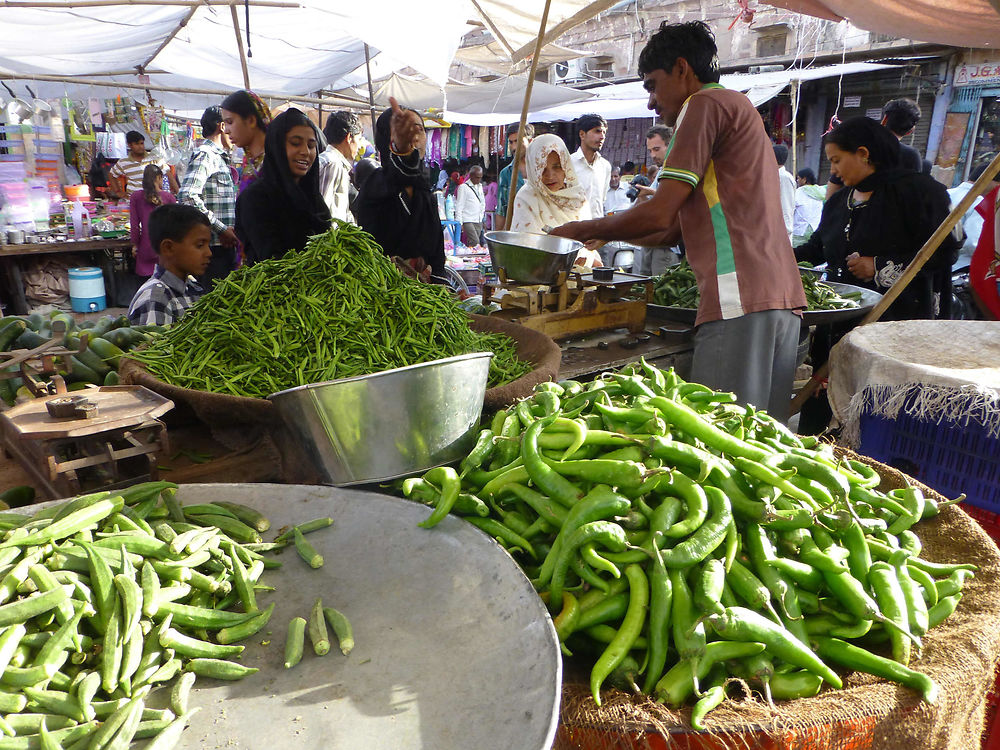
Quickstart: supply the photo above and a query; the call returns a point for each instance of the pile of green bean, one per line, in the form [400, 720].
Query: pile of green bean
[108, 596]
[822, 296]
[677, 288]
[337, 309]
[680, 538]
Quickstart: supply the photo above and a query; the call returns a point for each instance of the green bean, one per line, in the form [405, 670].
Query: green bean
[323, 287]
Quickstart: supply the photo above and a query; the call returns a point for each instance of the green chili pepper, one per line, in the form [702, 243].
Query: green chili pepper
[635, 618]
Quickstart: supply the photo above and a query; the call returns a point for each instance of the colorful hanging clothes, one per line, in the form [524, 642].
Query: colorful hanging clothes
[468, 141]
[453, 135]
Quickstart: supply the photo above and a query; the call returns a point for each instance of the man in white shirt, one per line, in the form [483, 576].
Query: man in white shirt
[617, 197]
[809, 199]
[788, 187]
[470, 207]
[343, 132]
[972, 222]
[653, 261]
[592, 170]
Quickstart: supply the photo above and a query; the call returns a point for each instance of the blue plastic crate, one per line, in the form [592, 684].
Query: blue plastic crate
[948, 457]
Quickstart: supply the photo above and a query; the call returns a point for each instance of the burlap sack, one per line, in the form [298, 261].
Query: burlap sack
[960, 655]
[238, 422]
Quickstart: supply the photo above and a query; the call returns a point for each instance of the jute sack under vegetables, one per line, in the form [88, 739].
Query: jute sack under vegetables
[532, 346]
[220, 410]
[960, 655]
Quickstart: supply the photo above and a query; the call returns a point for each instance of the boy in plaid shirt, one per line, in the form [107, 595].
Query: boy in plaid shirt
[181, 236]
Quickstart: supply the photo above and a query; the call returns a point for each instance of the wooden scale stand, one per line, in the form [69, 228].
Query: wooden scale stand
[575, 304]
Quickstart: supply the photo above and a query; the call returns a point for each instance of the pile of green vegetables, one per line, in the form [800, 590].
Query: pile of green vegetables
[108, 339]
[337, 309]
[107, 596]
[680, 538]
[677, 288]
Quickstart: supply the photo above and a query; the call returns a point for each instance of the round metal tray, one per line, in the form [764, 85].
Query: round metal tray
[454, 646]
[869, 299]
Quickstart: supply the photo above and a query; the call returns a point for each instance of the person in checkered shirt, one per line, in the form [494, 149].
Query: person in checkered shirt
[208, 186]
[181, 236]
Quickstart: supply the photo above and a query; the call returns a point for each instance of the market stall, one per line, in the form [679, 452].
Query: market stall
[548, 542]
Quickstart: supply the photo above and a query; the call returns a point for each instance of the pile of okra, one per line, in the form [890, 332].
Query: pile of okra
[681, 539]
[107, 596]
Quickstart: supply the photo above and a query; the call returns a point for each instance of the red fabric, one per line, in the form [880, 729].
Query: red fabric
[983, 270]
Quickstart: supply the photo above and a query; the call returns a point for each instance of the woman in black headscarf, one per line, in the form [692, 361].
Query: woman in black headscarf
[281, 209]
[869, 233]
[395, 204]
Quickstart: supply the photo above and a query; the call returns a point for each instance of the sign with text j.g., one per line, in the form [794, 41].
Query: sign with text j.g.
[980, 74]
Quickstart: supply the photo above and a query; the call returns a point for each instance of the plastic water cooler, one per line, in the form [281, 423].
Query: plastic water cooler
[86, 289]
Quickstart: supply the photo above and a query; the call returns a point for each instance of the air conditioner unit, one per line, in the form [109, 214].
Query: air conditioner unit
[570, 71]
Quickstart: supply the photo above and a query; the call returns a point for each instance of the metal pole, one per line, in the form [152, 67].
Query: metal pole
[795, 112]
[371, 90]
[331, 101]
[519, 151]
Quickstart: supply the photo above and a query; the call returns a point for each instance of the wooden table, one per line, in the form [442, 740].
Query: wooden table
[11, 276]
[670, 346]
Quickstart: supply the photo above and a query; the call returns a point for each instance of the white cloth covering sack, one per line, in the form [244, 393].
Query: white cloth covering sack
[935, 369]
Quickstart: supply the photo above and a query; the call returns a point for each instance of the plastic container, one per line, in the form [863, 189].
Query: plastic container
[949, 457]
[86, 289]
[77, 192]
[81, 222]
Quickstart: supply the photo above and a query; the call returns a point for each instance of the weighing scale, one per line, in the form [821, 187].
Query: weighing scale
[575, 304]
[97, 438]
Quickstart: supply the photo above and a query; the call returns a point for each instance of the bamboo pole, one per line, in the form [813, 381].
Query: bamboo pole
[519, 151]
[335, 100]
[918, 262]
[371, 91]
[177, 30]
[239, 45]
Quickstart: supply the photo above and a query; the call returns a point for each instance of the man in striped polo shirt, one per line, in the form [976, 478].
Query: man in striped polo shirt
[718, 186]
[127, 172]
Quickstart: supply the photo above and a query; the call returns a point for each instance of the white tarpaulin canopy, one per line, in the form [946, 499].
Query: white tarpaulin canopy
[493, 56]
[459, 101]
[623, 100]
[961, 23]
[296, 48]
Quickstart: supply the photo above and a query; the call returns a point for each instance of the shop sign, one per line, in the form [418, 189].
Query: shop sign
[874, 114]
[852, 102]
[978, 75]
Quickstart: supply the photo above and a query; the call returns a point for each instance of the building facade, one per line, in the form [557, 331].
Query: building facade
[959, 120]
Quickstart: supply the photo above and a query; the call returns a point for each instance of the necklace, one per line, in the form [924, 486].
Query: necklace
[852, 206]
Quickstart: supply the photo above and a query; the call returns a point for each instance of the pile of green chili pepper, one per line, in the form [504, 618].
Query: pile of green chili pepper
[680, 538]
[337, 309]
[677, 287]
[108, 596]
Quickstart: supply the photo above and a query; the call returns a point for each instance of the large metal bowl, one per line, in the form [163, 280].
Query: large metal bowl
[454, 646]
[531, 258]
[389, 424]
[869, 299]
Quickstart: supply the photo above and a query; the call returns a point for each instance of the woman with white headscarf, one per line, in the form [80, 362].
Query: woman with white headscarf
[552, 194]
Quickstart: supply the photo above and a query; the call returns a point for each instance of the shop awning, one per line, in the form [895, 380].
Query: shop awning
[459, 102]
[961, 23]
[622, 100]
